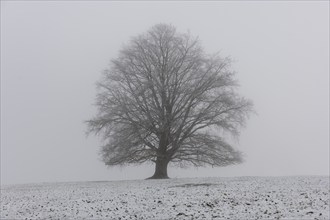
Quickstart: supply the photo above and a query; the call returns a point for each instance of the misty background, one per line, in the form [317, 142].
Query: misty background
[53, 52]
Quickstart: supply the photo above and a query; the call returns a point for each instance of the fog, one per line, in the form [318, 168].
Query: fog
[53, 52]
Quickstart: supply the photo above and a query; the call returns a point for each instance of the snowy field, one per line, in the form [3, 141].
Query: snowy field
[194, 198]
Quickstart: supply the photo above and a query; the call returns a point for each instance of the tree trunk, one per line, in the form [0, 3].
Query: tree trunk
[160, 169]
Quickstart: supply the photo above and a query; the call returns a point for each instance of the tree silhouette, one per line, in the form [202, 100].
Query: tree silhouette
[164, 100]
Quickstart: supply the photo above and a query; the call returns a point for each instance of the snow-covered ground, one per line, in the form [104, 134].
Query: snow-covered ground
[193, 198]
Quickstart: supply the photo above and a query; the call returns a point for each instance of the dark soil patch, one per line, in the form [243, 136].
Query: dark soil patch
[194, 185]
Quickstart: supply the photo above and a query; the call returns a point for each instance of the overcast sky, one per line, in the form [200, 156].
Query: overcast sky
[53, 52]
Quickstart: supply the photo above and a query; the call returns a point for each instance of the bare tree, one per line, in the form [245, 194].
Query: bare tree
[164, 100]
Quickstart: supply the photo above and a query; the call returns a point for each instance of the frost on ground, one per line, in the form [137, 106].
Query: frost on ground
[199, 198]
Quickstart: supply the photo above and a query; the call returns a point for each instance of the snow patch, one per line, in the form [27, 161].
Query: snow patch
[195, 198]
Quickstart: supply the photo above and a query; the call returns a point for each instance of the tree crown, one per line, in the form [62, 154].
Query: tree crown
[164, 97]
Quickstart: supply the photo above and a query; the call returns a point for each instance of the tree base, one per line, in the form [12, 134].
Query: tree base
[157, 177]
[160, 169]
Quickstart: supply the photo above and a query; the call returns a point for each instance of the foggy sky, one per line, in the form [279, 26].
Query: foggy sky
[53, 52]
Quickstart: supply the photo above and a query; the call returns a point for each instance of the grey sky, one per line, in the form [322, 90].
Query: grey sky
[53, 52]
